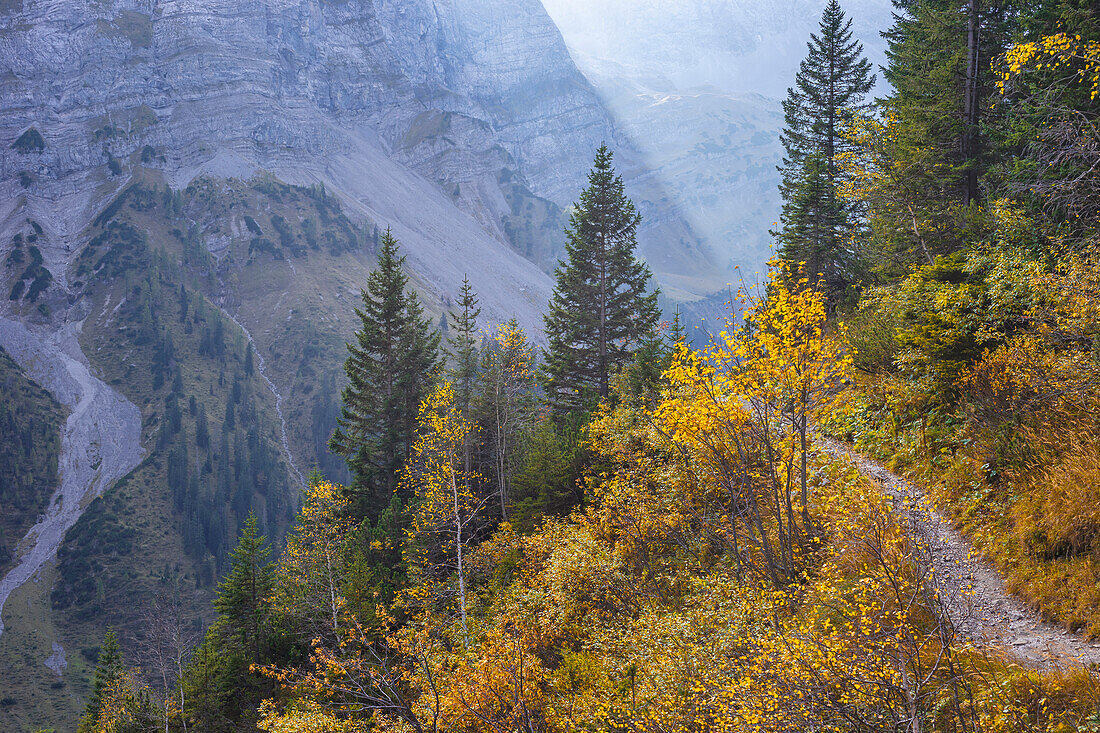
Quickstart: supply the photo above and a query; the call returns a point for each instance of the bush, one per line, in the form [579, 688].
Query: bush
[873, 332]
[30, 141]
[1061, 516]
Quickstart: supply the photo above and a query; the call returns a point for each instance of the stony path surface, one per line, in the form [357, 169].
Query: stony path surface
[100, 441]
[982, 610]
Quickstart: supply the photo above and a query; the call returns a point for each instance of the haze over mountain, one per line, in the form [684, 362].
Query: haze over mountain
[698, 86]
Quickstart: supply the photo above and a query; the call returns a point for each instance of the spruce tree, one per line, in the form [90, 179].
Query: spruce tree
[600, 311]
[829, 89]
[939, 54]
[244, 596]
[391, 365]
[462, 343]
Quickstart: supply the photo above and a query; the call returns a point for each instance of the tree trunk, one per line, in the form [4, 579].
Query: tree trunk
[603, 319]
[501, 447]
[459, 567]
[802, 429]
[971, 108]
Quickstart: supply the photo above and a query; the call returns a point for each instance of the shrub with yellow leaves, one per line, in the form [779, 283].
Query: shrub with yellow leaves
[742, 410]
[653, 609]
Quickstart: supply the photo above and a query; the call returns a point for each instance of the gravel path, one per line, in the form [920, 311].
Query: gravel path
[100, 441]
[982, 610]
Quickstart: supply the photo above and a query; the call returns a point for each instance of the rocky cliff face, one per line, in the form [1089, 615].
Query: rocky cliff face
[469, 95]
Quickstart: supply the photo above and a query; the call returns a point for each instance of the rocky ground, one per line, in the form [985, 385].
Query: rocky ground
[100, 443]
[974, 593]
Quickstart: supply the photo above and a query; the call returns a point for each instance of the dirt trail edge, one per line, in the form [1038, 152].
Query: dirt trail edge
[100, 441]
[977, 601]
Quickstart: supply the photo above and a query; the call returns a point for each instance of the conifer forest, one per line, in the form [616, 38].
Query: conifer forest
[427, 404]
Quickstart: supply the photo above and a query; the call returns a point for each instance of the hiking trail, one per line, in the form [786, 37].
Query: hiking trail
[974, 592]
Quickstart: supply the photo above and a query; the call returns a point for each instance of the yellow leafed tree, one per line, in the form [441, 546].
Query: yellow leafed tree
[312, 572]
[743, 409]
[446, 508]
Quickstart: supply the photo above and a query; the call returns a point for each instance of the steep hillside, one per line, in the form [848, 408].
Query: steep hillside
[189, 198]
[477, 97]
[30, 440]
[220, 311]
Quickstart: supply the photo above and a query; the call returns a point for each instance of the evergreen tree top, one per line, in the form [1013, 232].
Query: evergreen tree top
[601, 309]
[250, 568]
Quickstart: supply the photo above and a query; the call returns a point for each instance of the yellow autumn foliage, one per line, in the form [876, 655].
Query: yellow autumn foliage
[655, 608]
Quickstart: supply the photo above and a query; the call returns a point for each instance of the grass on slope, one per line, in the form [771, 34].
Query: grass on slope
[1007, 493]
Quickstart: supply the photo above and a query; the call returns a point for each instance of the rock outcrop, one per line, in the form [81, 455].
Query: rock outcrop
[407, 109]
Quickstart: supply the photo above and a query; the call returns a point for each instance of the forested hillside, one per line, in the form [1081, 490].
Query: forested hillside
[30, 439]
[623, 532]
[955, 226]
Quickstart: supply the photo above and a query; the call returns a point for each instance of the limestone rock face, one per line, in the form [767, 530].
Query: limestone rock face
[440, 118]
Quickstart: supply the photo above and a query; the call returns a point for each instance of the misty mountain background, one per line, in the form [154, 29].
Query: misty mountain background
[698, 85]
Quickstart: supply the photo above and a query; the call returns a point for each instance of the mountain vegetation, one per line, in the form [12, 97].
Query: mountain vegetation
[623, 532]
[830, 88]
[30, 441]
[389, 369]
[601, 310]
[163, 279]
[974, 335]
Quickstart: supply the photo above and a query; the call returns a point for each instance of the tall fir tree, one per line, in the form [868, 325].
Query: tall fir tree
[390, 369]
[221, 685]
[933, 150]
[244, 597]
[829, 90]
[462, 346]
[601, 309]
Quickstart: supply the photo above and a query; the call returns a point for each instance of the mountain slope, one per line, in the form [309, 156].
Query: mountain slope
[463, 95]
[203, 183]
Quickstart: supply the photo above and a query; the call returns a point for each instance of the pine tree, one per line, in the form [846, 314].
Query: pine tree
[462, 345]
[829, 89]
[600, 310]
[932, 146]
[391, 365]
[108, 669]
[244, 596]
[677, 334]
